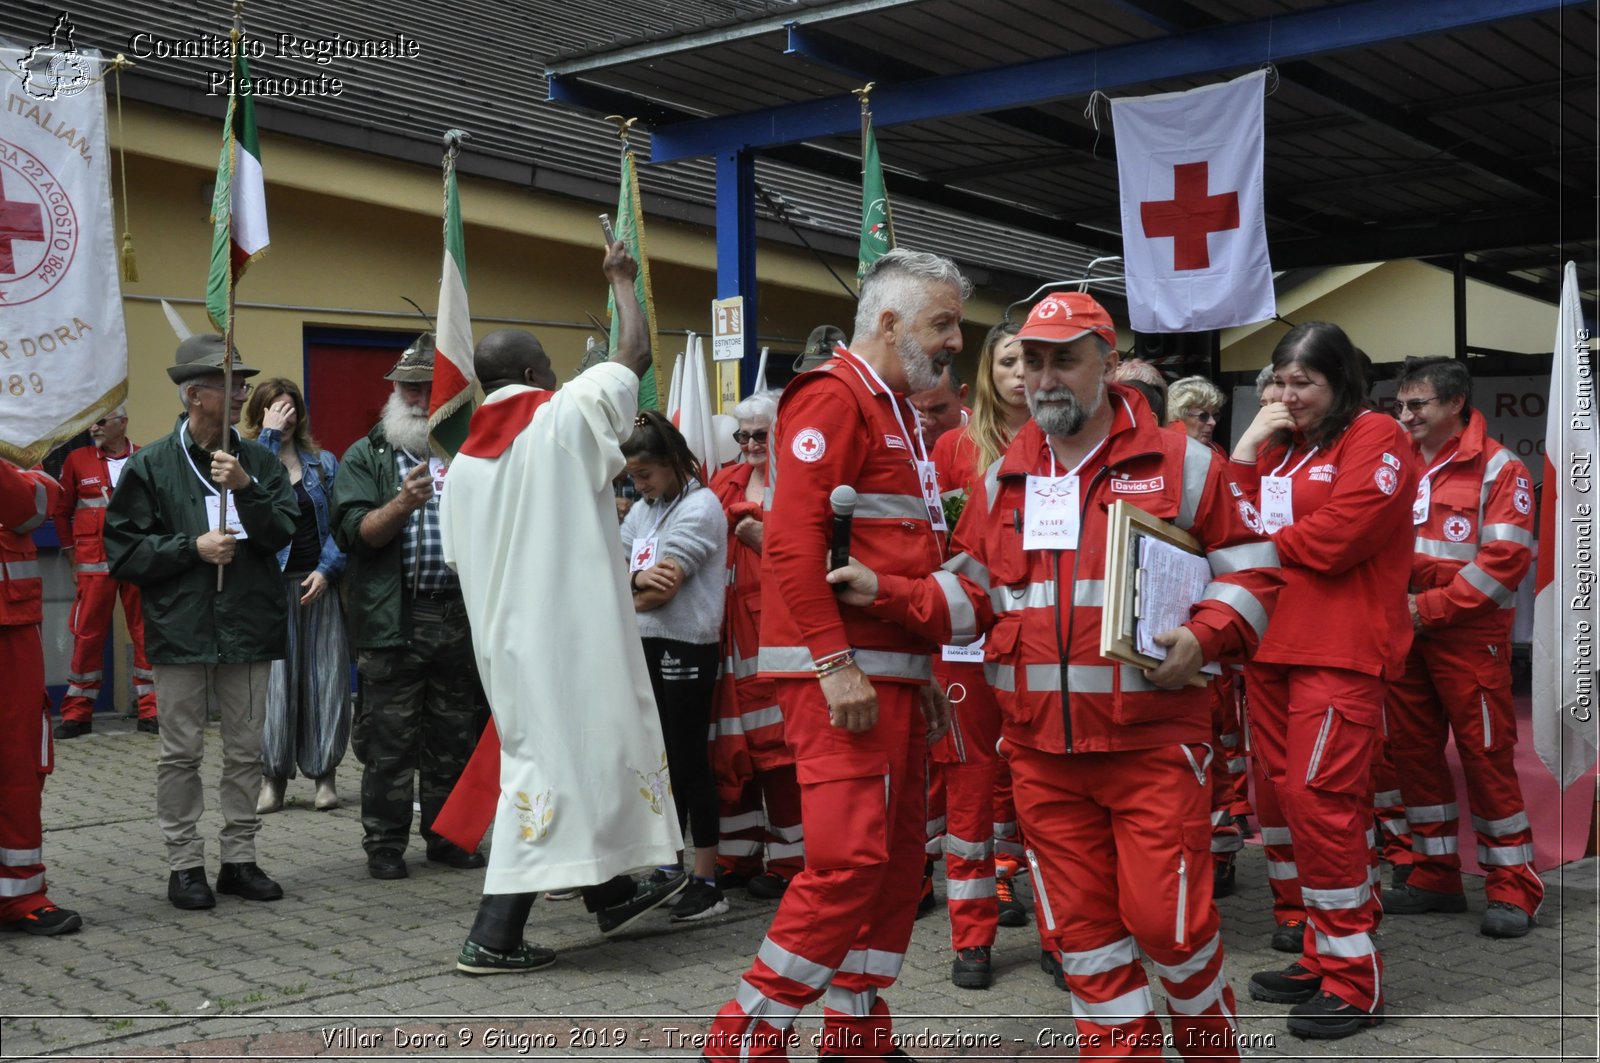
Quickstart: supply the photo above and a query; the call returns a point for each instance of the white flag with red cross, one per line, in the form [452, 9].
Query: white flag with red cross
[1194, 235]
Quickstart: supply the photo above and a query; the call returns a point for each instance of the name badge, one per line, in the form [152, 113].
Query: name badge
[972, 654]
[1277, 503]
[438, 468]
[235, 525]
[644, 554]
[928, 477]
[1050, 517]
[1419, 508]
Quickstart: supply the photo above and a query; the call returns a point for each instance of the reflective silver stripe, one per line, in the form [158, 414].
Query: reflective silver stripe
[1201, 1001]
[1505, 855]
[1428, 845]
[1488, 586]
[1226, 843]
[1000, 676]
[1387, 798]
[963, 620]
[1041, 595]
[1232, 559]
[758, 718]
[785, 850]
[1196, 463]
[969, 889]
[20, 857]
[1039, 890]
[1106, 958]
[876, 962]
[1337, 900]
[763, 1008]
[40, 511]
[1506, 533]
[1347, 947]
[1276, 836]
[1395, 825]
[85, 677]
[1089, 592]
[857, 1005]
[789, 834]
[1432, 813]
[1087, 678]
[934, 826]
[883, 664]
[143, 687]
[743, 821]
[75, 691]
[94, 568]
[968, 850]
[964, 564]
[1007, 829]
[1193, 965]
[891, 507]
[21, 887]
[22, 569]
[786, 964]
[93, 502]
[1283, 870]
[143, 673]
[1242, 601]
[1491, 472]
[1315, 760]
[991, 481]
[1448, 551]
[1118, 1011]
[1237, 765]
[1228, 739]
[730, 725]
[738, 847]
[1514, 824]
[933, 847]
[744, 667]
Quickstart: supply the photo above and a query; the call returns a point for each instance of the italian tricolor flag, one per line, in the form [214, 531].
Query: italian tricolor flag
[239, 207]
[450, 408]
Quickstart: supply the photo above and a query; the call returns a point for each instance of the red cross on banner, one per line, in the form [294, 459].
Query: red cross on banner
[19, 220]
[1194, 238]
[1190, 216]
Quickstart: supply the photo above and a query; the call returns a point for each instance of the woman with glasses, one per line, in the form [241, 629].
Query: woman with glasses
[1192, 407]
[758, 797]
[1334, 490]
[308, 694]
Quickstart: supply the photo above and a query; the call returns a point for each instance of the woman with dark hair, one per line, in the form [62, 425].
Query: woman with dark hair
[1335, 487]
[308, 693]
[676, 539]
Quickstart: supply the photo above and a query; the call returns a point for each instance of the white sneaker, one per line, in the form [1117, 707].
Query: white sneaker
[271, 799]
[327, 797]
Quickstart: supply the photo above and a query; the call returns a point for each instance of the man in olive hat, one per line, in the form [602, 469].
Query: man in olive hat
[408, 625]
[819, 347]
[162, 534]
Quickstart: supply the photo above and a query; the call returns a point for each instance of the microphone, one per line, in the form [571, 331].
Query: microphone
[843, 501]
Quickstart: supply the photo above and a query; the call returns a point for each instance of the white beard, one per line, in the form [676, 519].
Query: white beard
[405, 426]
[921, 375]
[1065, 415]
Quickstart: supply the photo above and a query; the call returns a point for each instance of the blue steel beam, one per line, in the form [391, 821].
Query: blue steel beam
[1208, 51]
[736, 249]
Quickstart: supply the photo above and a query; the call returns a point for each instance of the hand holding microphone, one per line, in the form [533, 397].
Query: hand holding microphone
[854, 583]
[843, 501]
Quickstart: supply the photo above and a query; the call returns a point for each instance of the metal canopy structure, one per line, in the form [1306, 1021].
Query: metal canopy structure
[1460, 131]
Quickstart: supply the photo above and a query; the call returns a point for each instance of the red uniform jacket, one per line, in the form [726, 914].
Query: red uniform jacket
[837, 425]
[1475, 547]
[80, 515]
[993, 583]
[1347, 556]
[26, 498]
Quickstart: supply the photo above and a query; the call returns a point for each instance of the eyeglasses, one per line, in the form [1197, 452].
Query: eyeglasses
[1200, 415]
[1414, 405]
[102, 422]
[742, 437]
[238, 389]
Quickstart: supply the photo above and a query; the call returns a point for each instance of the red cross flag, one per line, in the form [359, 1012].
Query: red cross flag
[1194, 239]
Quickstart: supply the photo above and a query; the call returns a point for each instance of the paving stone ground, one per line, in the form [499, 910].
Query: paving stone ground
[346, 967]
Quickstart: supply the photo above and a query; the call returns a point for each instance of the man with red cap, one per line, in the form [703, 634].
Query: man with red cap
[1110, 762]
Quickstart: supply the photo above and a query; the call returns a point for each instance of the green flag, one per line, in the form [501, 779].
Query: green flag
[877, 224]
[630, 230]
[450, 407]
[239, 204]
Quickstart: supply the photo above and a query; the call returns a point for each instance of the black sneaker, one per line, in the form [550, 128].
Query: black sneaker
[767, 886]
[150, 726]
[480, 959]
[1290, 936]
[1050, 964]
[1012, 911]
[1407, 899]
[972, 968]
[735, 880]
[246, 880]
[386, 863]
[189, 889]
[73, 728]
[452, 855]
[1399, 875]
[1505, 920]
[46, 921]
[700, 900]
[1326, 1017]
[646, 896]
[1292, 985]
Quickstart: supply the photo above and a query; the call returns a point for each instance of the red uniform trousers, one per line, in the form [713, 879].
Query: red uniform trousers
[764, 817]
[1226, 839]
[969, 779]
[1283, 876]
[844, 922]
[1314, 731]
[1119, 845]
[26, 757]
[1235, 749]
[1462, 683]
[1388, 806]
[90, 623]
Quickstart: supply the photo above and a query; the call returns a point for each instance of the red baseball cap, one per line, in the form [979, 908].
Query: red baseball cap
[1062, 317]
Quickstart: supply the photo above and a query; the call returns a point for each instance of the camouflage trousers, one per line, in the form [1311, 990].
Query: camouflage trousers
[415, 716]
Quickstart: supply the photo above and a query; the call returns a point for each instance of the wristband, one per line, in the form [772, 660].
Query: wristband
[633, 581]
[835, 662]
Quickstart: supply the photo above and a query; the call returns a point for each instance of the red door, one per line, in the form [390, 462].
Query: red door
[345, 389]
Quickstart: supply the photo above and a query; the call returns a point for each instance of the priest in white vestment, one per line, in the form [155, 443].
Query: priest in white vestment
[530, 525]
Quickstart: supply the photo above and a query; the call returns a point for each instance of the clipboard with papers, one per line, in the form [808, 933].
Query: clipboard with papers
[1155, 571]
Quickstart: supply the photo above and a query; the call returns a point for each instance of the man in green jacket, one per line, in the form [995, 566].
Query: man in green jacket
[408, 624]
[161, 534]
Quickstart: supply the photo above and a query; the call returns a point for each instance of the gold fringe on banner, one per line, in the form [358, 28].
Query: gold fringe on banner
[130, 265]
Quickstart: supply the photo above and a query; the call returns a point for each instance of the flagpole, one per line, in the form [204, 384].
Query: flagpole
[236, 35]
[866, 120]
